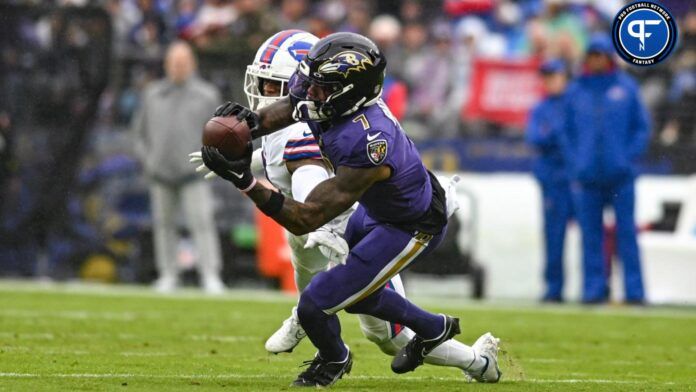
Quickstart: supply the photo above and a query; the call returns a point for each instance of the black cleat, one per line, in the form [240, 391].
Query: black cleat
[322, 373]
[411, 356]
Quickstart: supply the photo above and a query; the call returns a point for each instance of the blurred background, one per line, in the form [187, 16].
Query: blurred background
[462, 78]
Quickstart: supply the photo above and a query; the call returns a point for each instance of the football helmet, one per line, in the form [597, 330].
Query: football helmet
[347, 67]
[276, 60]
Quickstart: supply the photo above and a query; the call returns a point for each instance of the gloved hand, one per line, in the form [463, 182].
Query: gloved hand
[197, 159]
[241, 112]
[236, 171]
[329, 243]
[451, 195]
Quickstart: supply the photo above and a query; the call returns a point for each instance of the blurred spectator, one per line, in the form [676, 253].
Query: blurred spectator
[212, 21]
[681, 97]
[463, 7]
[293, 14]
[186, 18]
[429, 73]
[545, 132]
[167, 128]
[567, 36]
[608, 130]
[148, 35]
[411, 11]
[5, 151]
[358, 17]
[385, 31]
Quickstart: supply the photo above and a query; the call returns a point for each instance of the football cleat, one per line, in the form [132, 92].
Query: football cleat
[487, 347]
[166, 284]
[213, 285]
[285, 339]
[412, 355]
[321, 373]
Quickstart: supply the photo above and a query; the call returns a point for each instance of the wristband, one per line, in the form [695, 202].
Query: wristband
[273, 205]
[250, 187]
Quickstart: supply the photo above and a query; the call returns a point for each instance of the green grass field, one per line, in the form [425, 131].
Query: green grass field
[87, 338]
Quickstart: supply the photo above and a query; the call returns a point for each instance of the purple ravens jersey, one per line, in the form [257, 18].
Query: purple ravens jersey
[372, 137]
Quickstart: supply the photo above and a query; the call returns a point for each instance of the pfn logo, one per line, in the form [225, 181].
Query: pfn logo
[640, 33]
[644, 33]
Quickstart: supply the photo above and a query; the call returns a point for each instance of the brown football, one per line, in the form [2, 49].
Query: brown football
[228, 134]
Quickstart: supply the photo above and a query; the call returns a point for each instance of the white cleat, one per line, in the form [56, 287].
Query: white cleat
[166, 284]
[287, 337]
[487, 347]
[212, 285]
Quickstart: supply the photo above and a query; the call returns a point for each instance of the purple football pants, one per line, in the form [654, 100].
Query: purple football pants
[378, 251]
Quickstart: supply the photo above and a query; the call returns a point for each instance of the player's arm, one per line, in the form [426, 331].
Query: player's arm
[267, 120]
[326, 201]
[274, 117]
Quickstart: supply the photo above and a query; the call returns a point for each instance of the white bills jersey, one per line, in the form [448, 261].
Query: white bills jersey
[290, 144]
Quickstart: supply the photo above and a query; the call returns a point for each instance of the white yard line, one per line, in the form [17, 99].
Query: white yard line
[277, 376]
[224, 338]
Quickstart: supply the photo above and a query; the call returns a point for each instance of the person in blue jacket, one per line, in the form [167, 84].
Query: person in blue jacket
[544, 131]
[607, 132]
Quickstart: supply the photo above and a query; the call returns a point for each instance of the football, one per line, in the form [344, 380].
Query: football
[228, 134]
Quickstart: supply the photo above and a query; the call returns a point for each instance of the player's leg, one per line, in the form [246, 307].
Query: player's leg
[306, 263]
[164, 202]
[557, 206]
[357, 286]
[197, 200]
[623, 202]
[391, 337]
[590, 208]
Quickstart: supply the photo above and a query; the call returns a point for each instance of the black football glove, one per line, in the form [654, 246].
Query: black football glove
[236, 171]
[241, 112]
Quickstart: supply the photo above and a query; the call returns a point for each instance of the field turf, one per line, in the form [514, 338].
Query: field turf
[97, 338]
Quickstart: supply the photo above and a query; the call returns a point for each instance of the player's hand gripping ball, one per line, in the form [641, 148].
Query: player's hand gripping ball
[230, 130]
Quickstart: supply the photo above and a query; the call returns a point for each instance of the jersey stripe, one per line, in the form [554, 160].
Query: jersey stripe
[302, 142]
[309, 148]
[276, 42]
[302, 155]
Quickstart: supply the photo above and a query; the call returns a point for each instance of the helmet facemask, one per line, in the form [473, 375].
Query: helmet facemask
[309, 109]
[253, 86]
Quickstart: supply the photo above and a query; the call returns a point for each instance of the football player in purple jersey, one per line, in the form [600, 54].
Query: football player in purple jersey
[402, 210]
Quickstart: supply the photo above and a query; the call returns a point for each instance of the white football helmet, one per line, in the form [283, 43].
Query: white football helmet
[276, 60]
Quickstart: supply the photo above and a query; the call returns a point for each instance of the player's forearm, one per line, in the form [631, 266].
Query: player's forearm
[274, 117]
[297, 218]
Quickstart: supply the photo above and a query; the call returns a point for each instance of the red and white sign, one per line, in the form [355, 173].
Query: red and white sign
[503, 91]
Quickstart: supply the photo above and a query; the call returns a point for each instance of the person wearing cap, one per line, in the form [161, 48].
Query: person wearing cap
[607, 132]
[544, 130]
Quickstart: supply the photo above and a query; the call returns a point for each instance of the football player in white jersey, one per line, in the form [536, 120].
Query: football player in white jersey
[293, 163]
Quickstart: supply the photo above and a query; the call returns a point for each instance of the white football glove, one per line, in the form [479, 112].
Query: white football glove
[451, 195]
[329, 243]
[197, 159]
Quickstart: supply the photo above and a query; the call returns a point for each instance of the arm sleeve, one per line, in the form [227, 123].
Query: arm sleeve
[533, 134]
[305, 179]
[567, 135]
[640, 127]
